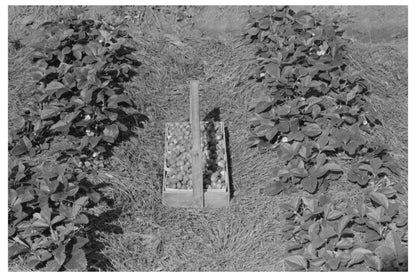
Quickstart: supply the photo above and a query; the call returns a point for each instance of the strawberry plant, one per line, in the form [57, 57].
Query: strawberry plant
[78, 110]
[314, 107]
[314, 110]
[46, 215]
[324, 237]
[78, 65]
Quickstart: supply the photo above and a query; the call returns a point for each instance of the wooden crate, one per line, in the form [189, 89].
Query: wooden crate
[212, 198]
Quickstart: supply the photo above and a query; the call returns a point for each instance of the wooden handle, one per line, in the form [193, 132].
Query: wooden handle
[197, 180]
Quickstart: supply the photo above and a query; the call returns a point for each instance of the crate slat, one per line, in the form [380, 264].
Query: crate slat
[196, 153]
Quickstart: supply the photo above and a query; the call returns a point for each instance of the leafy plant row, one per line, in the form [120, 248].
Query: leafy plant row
[78, 66]
[313, 113]
[325, 237]
[315, 107]
[78, 111]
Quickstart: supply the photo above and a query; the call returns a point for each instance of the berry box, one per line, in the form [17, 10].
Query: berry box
[177, 177]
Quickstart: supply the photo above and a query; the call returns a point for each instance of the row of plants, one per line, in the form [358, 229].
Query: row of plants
[325, 237]
[315, 113]
[78, 111]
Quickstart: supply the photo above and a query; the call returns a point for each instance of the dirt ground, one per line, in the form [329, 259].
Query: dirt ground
[133, 231]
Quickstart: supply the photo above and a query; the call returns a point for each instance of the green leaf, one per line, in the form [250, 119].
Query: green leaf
[82, 219]
[394, 167]
[57, 219]
[393, 241]
[358, 176]
[352, 93]
[309, 203]
[82, 201]
[77, 262]
[279, 172]
[312, 130]
[273, 188]
[253, 31]
[375, 214]
[334, 215]
[253, 141]
[376, 164]
[273, 69]
[316, 110]
[368, 168]
[37, 75]
[81, 241]
[317, 262]
[283, 110]
[262, 130]
[19, 149]
[12, 197]
[389, 192]
[385, 253]
[45, 213]
[86, 94]
[299, 172]
[272, 133]
[283, 126]
[71, 116]
[49, 112]
[264, 24]
[379, 198]
[52, 265]
[58, 125]
[287, 151]
[343, 223]
[345, 243]
[66, 33]
[374, 262]
[114, 100]
[373, 225]
[306, 81]
[297, 262]
[54, 86]
[316, 84]
[313, 230]
[59, 255]
[295, 246]
[26, 196]
[310, 184]
[64, 210]
[112, 132]
[43, 254]
[264, 145]
[79, 203]
[40, 224]
[94, 141]
[328, 167]
[63, 70]
[333, 263]
[401, 221]
[317, 242]
[262, 97]
[17, 249]
[357, 256]
[32, 262]
[351, 147]
[327, 232]
[262, 106]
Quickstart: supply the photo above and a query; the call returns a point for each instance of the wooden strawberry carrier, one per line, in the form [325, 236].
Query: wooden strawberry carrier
[198, 177]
